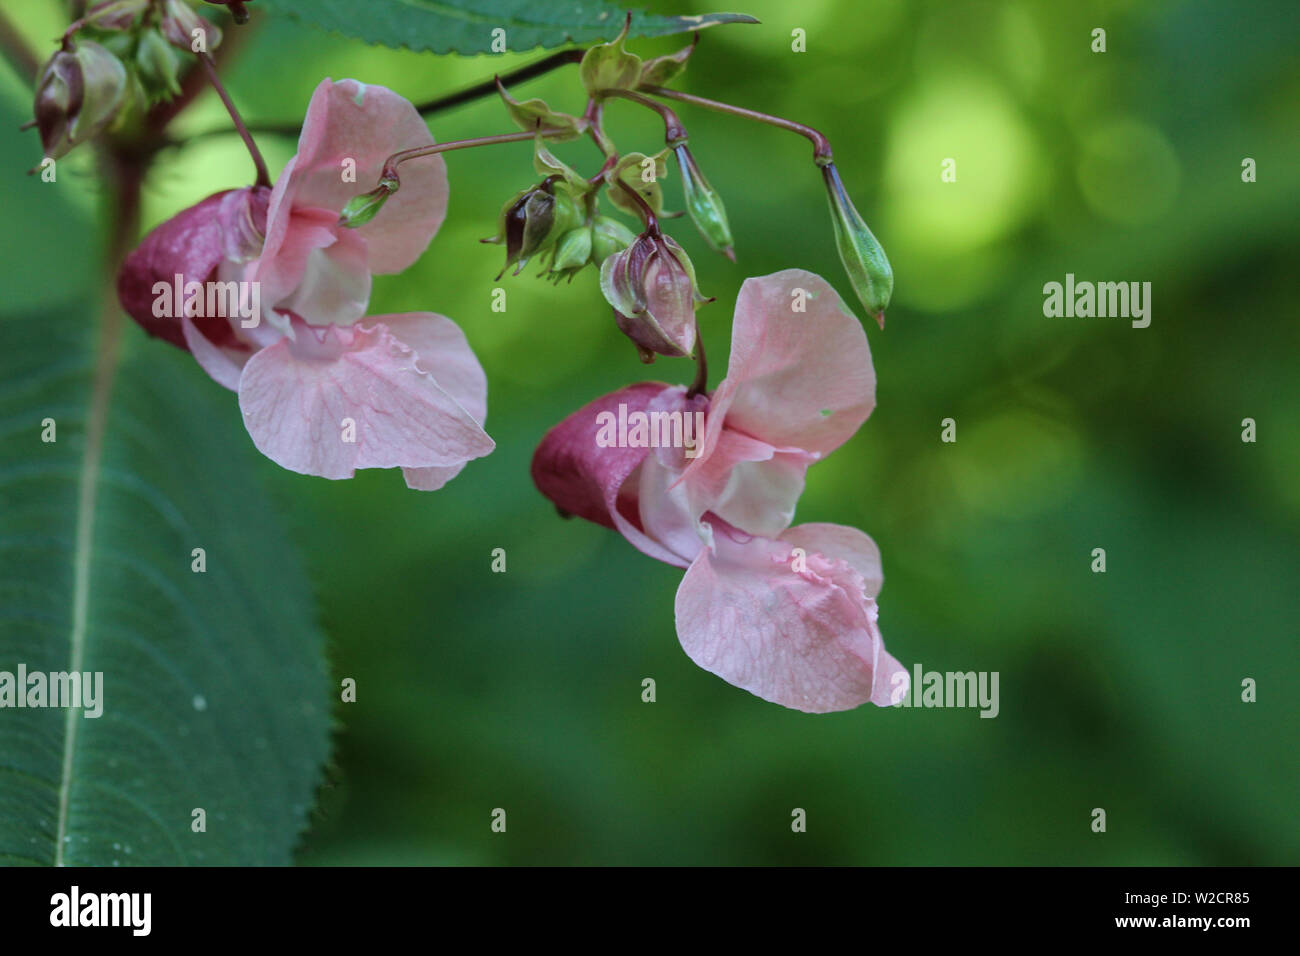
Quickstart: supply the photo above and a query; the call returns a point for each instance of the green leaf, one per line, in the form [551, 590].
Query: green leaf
[215, 694]
[466, 26]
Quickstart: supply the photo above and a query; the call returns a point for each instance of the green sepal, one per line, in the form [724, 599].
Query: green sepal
[535, 114]
[608, 66]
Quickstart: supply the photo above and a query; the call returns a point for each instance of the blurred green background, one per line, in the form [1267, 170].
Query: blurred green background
[1119, 690]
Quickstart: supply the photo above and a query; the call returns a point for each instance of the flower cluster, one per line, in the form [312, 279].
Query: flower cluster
[120, 54]
[268, 287]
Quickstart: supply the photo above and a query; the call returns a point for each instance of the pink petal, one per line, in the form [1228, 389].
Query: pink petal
[847, 544]
[316, 270]
[223, 363]
[584, 479]
[796, 380]
[669, 515]
[441, 350]
[366, 124]
[333, 284]
[798, 630]
[430, 479]
[296, 396]
[760, 496]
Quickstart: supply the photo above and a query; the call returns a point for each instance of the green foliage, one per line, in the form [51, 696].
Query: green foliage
[214, 691]
[465, 26]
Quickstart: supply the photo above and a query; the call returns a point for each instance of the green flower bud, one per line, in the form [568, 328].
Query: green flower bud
[158, 66]
[609, 237]
[359, 210]
[571, 255]
[863, 257]
[120, 43]
[534, 220]
[704, 205]
[79, 93]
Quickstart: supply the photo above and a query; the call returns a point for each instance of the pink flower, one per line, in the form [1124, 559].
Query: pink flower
[788, 614]
[324, 390]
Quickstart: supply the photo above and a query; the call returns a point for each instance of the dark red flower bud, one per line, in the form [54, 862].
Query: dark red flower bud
[651, 287]
[79, 93]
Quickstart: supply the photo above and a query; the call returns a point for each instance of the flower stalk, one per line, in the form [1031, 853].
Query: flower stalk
[210, 68]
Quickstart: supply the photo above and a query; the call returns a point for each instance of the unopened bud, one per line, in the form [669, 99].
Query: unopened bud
[179, 23]
[863, 257]
[79, 93]
[115, 14]
[158, 66]
[359, 210]
[572, 253]
[704, 205]
[608, 237]
[651, 287]
[534, 220]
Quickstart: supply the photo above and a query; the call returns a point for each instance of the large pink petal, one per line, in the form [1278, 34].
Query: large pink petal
[796, 380]
[798, 630]
[354, 121]
[585, 479]
[442, 350]
[297, 395]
